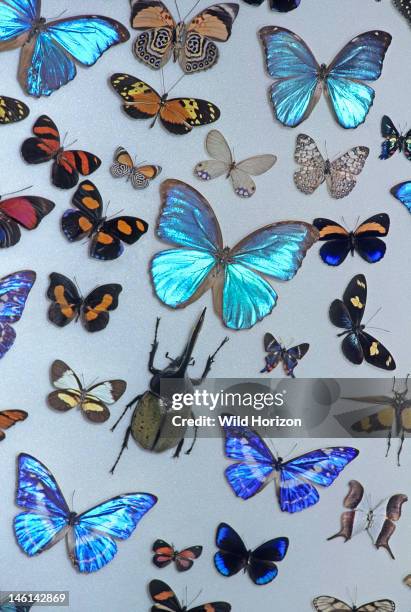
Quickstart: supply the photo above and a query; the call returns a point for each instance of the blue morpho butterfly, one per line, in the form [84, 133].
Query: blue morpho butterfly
[256, 466]
[49, 49]
[242, 297]
[299, 79]
[14, 290]
[260, 563]
[282, 6]
[91, 536]
[402, 192]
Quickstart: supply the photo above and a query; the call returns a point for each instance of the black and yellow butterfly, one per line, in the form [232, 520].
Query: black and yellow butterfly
[91, 400]
[178, 115]
[365, 239]
[12, 110]
[107, 235]
[67, 304]
[358, 344]
[8, 418]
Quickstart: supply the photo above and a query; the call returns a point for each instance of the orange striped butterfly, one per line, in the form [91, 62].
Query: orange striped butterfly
[8, 418]
[164, 554]
[178, 115]
[46, 146]
[166, 600]
[140, 176]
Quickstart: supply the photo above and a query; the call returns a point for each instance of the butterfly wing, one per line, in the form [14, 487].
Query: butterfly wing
[217, 147]
[284, 6]
[16, 21]
[8, 418]
[155, 45]
[214, 606]
[69, 164]
[27, 211]
[185, 558]
[12, 110]
[312, 165]
[402, 192]
[14, 291]
[325, 603]
[367, 239]
[360, 60]
[98, 304]
[320, 467]
[291, 357]
[289, 61]
[344, 171]
[140, 101]
[45, 144]
[107, 242]
[164, 597]
[80, 223]
[65, 298]
[375, 353]
[233, 555]
[163, 553]
[262, 567]
[243, 184]
[46, 517]
[337, 241]
[142, 175]
[392, 141]
[407, 145]
[68, 385]
[123, 164]
[180, 115]
[274, 348]
[94, 404]
[93, 538]
[382, 605]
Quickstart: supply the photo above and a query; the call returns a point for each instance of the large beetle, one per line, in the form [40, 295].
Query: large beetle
[151, 423]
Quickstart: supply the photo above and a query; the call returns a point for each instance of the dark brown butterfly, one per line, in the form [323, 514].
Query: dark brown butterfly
[8, 418]
[164, 554]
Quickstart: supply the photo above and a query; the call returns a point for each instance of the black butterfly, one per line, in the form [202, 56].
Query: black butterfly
[365, 239]
[357, 344]
[166, 600]
[277, 352]
[282, 6]
[260, 563]
[404, 7]
[394, 141]
[67, 304]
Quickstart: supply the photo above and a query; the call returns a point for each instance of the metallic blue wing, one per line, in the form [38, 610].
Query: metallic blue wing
[350, 101]
[290, 62]
[14, 290]
[247, 479]
[49, 68]
[37, 532]
[262, 563]
[16, 18]
[13, 607]
[402, 192]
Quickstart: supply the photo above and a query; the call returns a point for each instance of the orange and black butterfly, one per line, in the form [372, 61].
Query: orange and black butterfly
[365, 240]
[164, 554]
[8, 418]
[12, 110]
[140, 176]
[68, 305]
[166, 600]
[107, 235]
[178, 115]
[46, 146]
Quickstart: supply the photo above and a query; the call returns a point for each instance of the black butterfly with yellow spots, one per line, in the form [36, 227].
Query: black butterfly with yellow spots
[358, 344]
[107, 235]
[68, 305]
[12, 110]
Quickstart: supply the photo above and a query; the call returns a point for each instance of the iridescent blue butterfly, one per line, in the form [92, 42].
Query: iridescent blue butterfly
[299, 79]
[242, 297]
[14, 290]
[49, 49]
[5, 606]
[402, 192]
[91, 536]
[256, 467]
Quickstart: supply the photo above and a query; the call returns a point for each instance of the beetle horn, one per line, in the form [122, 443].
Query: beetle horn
[188, 351]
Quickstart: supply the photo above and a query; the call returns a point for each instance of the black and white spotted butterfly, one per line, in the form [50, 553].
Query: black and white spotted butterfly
[140, 176]
[340, 174]
[325, 603]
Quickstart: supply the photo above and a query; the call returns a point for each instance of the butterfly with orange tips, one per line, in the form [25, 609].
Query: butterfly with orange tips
[8, 418]
[46, 146]
[178, 115]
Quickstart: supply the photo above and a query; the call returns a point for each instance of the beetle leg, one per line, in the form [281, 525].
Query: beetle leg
[178, 449]
[400, 447]
[194, 440]
[209, 363]
[388, 443]
[153, 351]
[128, 406]
[123, 448]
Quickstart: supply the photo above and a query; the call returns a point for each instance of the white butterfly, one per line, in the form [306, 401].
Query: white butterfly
[140, 176]
[332, 604]
[223, 163]
[340, 174]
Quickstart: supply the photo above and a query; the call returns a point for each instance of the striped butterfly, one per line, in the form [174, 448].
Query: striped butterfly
[140, 176]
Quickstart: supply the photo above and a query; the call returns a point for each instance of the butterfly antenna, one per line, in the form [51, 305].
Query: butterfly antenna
[406, 383]
[356, 224]
[290, 451]
[388, 331]
[71, 143]
[191, 10]
[118, 212]
[176, 83]
[178, 11]
[373, 316]
[163, 85]
[13, 192]
[195, 598]
[72, 500]
[78, 288]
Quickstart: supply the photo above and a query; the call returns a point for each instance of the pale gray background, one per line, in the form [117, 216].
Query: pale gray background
[193, 496]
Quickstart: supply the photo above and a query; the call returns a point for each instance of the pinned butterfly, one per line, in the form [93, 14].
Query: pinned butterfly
[223, 163]
[106, 235]
[165, 600]
[12, 110]
[46, 146]
[278, 353]
[402, 192]
[68, 305]
[377, 521]
[340, 174]
[191, 44]
[8, 418]
[326, 603]
[25, 211]
[91, 400]
[358, 344]
[242, 297]
[299, 80]
[164, 554]
[90, 536]
[364, 239]
[255, 466]
[282, 6]
[14, 291]
[177, 115]
[394, 140]
[50, 49]
[139, 176]
[260, 563]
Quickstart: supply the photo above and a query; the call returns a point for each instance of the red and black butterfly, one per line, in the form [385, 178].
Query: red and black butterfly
[46, 146]
[166, 600]
[166, 554]
[68, 305]
[27, 211]
[107, 235]
[276, 353]
[8, 418]
[366, 239]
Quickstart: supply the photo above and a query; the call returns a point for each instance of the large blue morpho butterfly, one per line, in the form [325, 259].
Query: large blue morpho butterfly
[260, 563]
[242, 297]
[256, 466]
[402, 192]
[299, 79]
[14, 290]
[91, 536]
[49, 49]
